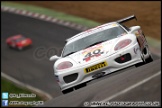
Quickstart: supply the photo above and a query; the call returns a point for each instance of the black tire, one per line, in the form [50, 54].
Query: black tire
[141, 63]
[9, 46]
[150, 59]
[19, 48]
[67, 90]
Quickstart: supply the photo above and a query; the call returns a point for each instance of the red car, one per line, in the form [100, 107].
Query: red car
[18, 41]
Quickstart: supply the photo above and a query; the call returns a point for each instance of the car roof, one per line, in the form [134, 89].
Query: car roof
[92, 31]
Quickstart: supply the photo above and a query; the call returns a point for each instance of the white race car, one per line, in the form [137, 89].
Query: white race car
[100, 51]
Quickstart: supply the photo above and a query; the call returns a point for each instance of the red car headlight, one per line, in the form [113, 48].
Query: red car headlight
[64, 65]
[122, 44]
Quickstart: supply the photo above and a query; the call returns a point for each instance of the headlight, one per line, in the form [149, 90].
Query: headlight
[64, 65]
[122, 44]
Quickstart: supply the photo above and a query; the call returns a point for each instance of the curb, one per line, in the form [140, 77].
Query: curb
[41, 93]
[44, 17]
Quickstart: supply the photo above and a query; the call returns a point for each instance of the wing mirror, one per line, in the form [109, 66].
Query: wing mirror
[134, 28]
[54, 58]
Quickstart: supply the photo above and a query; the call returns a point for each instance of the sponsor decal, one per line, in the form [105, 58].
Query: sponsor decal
[96, 67]
[114, 25]
[92, 52]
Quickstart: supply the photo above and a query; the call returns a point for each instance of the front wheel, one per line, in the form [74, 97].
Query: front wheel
[9, 46]
[20, 48]
[141, 63]
[145, 60]
[150, 59]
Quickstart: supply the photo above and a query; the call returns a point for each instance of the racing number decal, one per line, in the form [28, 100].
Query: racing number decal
[94, 53]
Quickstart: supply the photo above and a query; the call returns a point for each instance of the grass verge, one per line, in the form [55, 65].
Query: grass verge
[10, 88]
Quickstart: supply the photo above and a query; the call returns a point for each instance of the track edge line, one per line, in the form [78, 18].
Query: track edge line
[39, 92]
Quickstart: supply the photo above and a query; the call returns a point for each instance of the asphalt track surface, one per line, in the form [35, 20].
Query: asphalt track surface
[32, 66]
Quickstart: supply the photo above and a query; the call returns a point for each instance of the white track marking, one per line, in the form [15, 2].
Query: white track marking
[29, 13]
[12, 9]
[36, 14]
[24, 12]
[48, 18]
[131, 87]
[54, 19]
[42, 16]
[5, 8]
[26, 85]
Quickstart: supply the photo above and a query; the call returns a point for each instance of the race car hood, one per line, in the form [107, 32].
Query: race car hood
[95, 52]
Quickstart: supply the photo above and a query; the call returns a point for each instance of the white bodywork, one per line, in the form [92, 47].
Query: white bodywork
[107, 56]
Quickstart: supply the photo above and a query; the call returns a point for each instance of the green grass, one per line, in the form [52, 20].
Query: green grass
[9, 87]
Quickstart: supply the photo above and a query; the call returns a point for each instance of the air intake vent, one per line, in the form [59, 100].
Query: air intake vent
[70, 78]
[123, 58]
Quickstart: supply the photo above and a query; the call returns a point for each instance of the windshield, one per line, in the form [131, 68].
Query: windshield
[92, 39]
[19, 39]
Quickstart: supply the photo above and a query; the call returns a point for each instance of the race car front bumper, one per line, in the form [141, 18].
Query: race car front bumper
[73, 77]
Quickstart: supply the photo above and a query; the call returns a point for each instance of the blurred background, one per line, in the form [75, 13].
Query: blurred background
[148, 13]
